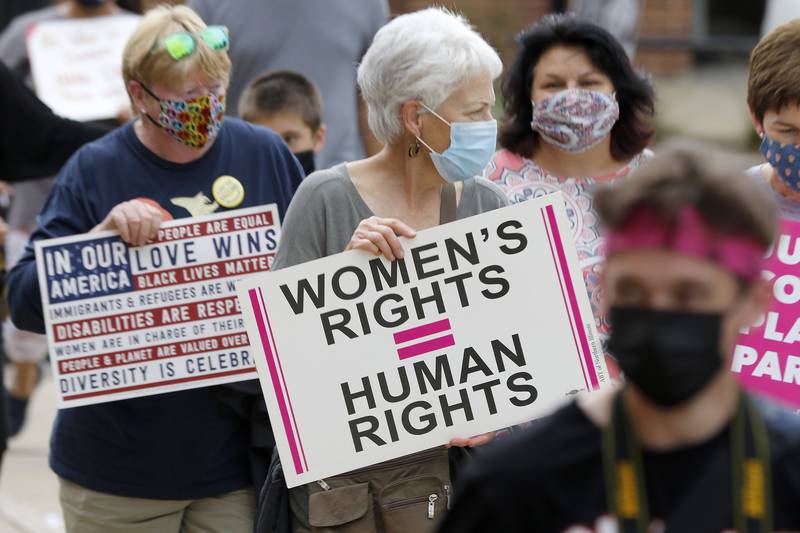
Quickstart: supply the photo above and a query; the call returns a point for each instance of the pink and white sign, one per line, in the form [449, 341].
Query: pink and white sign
[767, 356]
[483, 325]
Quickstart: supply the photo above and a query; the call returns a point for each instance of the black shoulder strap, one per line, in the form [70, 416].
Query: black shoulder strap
[747, 467]
[447, 211]
[750, 501]
[624, 473]
[752, 470]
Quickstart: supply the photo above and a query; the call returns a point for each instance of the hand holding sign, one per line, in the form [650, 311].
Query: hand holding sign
[378, 236]
[472, 442]
[137, 221]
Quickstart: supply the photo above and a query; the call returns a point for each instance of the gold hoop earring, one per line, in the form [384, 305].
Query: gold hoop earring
[413, 149]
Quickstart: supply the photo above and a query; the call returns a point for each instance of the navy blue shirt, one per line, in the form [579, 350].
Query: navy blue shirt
[183, 445]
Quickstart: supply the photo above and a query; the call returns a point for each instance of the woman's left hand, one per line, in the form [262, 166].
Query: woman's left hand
[472, 442]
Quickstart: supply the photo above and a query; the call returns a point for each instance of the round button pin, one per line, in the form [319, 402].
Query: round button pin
[227, 191]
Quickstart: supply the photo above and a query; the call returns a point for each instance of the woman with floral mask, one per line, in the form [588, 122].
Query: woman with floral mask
[180, 461]
[576, 116]
[773, 95]
[427, 80]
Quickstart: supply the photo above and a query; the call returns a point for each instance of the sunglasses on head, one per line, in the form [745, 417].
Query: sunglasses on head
[184, 43]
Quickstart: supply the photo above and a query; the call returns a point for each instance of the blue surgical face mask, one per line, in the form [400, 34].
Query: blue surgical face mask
[785, 160]
[472, 145]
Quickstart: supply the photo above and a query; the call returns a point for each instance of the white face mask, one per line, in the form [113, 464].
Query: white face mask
[575, 120]
[472, 145]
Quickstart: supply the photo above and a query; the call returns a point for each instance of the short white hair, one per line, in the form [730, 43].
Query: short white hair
[426, 55]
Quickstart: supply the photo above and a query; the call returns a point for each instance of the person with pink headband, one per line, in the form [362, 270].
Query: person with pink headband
[680, 446]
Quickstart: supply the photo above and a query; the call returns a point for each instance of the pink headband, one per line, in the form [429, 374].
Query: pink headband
[690, 235]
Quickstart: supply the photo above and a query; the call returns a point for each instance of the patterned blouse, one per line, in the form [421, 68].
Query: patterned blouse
[521, 179]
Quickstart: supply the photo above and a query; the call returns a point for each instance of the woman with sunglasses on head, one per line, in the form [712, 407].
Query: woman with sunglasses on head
[577, 115]
[427, 80]
[176, 462]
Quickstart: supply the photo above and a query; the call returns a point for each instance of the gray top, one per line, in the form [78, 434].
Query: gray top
[322, 39]
[29, 196]
[789, 209]
[27, 202]
[13, 44]
[324, 213]
[327, 208]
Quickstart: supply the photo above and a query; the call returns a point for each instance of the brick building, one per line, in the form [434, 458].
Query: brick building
[673, 34]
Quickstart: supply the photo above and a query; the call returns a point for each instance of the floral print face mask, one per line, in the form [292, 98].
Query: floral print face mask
[575, 120]
[194, 122]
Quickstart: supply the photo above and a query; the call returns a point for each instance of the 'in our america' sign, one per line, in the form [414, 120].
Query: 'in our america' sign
[127, 322]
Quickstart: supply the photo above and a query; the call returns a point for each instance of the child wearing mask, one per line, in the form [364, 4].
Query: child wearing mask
[773, 96]
[680, 446]
[289, 104]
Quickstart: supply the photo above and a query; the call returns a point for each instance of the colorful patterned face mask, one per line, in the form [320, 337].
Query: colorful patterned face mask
[575, 120]
[194, 122]
[784, 159]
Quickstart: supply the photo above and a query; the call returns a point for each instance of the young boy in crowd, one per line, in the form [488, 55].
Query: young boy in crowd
[289, 104]
[773, 95]
[680, 445]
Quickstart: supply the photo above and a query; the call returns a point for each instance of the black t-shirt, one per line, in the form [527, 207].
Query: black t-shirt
[550, 479]
[33, 141]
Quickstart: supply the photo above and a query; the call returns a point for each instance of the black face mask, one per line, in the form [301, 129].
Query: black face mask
[306, 159]
[669, 355]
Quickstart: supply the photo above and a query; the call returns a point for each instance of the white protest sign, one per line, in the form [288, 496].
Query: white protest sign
[77, 65]
[128, 322]
[484, 324]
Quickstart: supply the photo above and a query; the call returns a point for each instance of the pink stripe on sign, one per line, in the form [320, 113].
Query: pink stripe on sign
[421, 331]
[273, 373]
[283, 378]
[564, 297]
[576, 312]
[426, 347]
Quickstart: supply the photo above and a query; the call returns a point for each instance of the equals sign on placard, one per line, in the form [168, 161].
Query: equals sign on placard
[424, 339]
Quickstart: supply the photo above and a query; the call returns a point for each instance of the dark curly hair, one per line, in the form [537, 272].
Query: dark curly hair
[632, 132]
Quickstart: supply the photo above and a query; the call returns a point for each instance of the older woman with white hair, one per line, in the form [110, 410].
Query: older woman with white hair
[427, 79]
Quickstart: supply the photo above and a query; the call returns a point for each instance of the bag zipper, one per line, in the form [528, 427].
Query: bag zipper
[432, 505]
[405, 503]
[323, 484]
[447, 495]
[430, 498]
